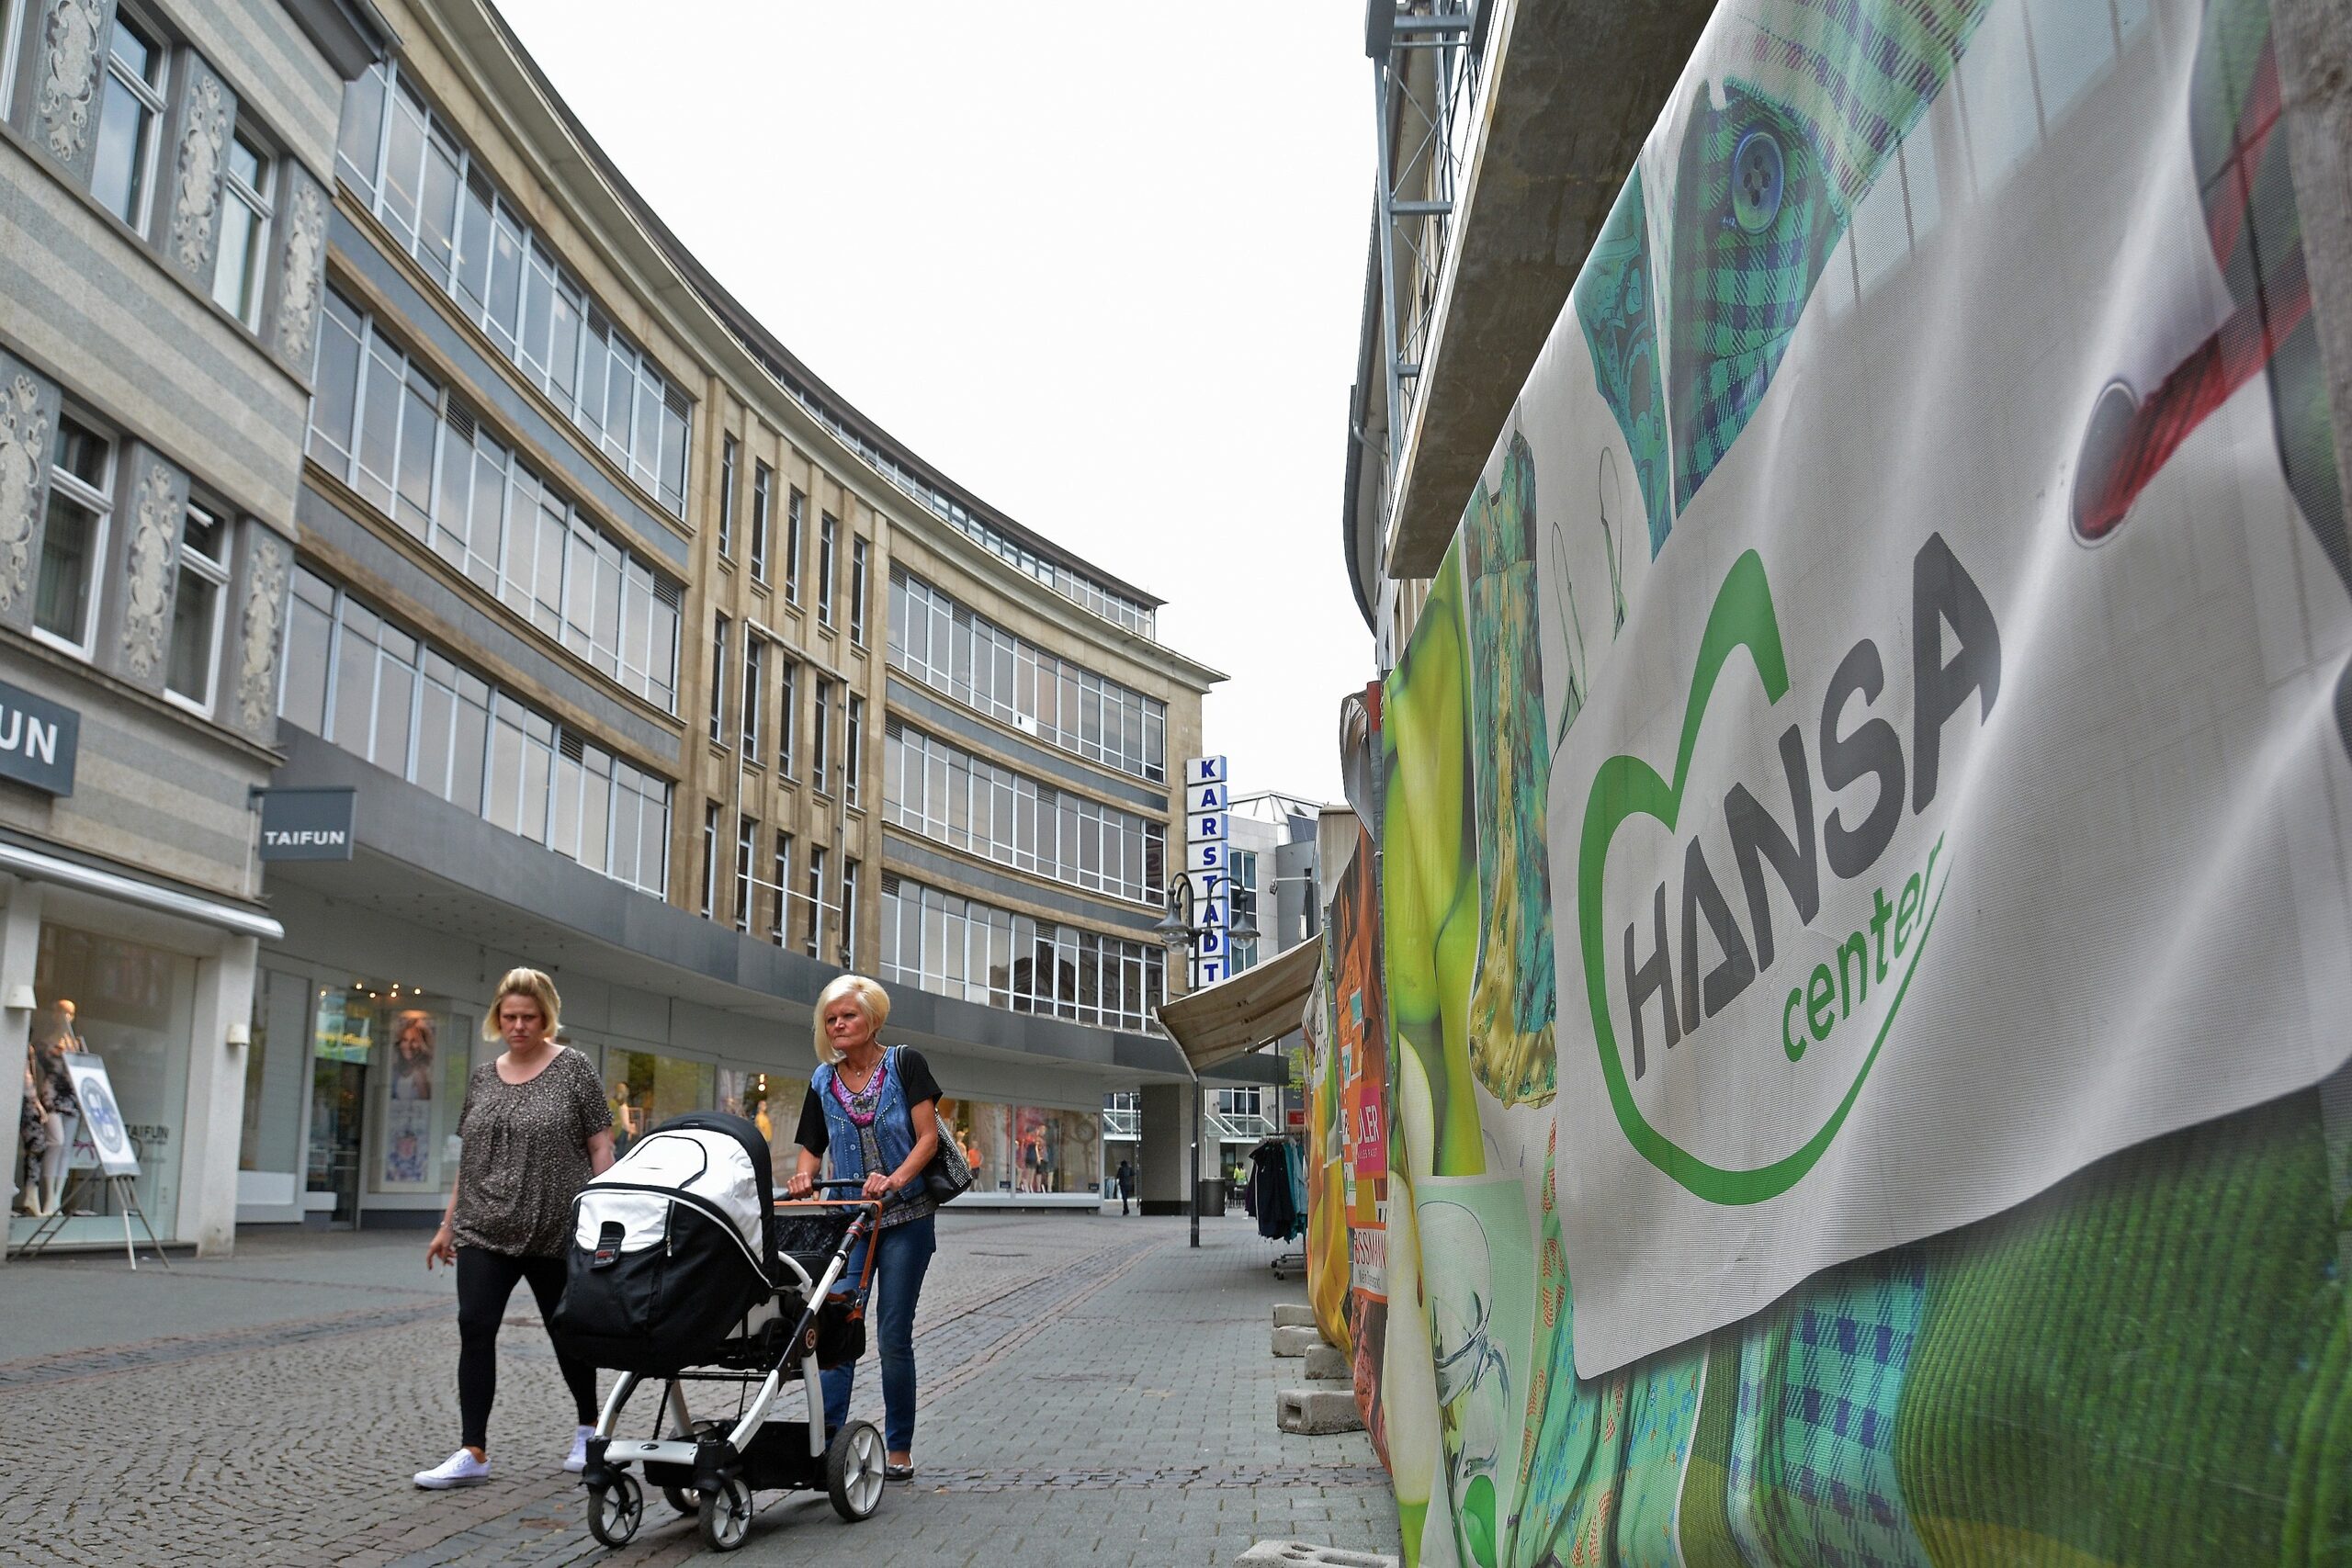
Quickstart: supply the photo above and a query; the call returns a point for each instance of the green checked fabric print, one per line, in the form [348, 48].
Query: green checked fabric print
[1816, 95]
[1616, 306]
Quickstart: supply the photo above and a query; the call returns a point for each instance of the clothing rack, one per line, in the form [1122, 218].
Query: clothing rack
[1291, 1261]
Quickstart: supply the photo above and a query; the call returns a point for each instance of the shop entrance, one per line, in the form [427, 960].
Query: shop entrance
[341, 1043]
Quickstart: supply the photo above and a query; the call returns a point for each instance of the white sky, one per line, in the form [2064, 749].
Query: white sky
[1101, 262]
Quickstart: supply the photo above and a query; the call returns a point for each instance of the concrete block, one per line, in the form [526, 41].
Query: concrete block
[1306, 1554]
[1328, 1361]
[1296, 1342]
[1293, 1314]
[1318, 1410]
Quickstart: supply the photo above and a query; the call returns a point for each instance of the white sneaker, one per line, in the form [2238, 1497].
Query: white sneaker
[461, 1469]
[577, 1460]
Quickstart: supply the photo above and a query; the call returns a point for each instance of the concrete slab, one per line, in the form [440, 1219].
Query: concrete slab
[1316, 1411]
[1293, 1314]
[1306, 1555]
[1328, 1361]
[1296, 1342]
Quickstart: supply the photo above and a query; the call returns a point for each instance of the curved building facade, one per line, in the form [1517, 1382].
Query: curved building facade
[646, 658]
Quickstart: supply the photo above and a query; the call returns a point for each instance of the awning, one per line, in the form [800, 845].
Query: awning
[19, 861]
[1234, 1017]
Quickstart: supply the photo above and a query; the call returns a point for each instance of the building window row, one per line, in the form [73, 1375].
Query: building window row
[946, 646]
[383, 426]
[944, 793]
[388, 696]
[958, 947]
[421, 180]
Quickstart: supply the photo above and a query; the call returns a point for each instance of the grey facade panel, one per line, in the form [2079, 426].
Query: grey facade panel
[66, 43]
[151, 497]
[298, 273]
[418, 318]
[195, 159]
[480, 635]
[936, 713]
[28, 410]
[248, 700]
[905, 858]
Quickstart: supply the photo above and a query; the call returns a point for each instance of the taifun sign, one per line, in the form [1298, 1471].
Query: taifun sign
[1207, 793]
[38, 741]
[306, 824]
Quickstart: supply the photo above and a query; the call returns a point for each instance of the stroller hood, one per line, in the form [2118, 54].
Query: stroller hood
[669, 1246]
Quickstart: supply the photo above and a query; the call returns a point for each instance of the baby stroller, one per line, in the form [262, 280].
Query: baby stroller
[684, 1270]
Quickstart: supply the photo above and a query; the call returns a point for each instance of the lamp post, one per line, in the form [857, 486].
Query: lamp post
[1179, 933]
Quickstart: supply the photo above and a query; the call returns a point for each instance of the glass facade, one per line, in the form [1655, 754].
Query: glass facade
[947, 793]
[358, 680]
[946, 646]
[959, 947]
[1027, 1149]
[646, 1089]
[413, 173]
[384, 427]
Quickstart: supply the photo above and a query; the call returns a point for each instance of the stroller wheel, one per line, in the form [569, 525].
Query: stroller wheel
[727, 1515]
[616, 1511]
[685, 1499]
[853, 1469]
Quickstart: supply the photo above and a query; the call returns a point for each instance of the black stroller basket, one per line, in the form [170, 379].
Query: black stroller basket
[806, 1240]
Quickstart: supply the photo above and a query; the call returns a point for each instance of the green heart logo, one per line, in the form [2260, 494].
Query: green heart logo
[1742, 617]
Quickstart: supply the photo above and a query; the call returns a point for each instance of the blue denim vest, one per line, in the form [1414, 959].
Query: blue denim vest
[894, 1129]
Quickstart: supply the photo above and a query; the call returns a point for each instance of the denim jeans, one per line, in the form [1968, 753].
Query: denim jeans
[904, 1256]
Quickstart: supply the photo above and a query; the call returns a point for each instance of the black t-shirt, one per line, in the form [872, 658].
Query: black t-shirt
[915, 1083]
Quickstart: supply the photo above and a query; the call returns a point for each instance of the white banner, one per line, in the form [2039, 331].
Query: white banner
[1949, 781]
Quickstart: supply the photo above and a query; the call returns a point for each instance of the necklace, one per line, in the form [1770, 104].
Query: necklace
[863, 1104]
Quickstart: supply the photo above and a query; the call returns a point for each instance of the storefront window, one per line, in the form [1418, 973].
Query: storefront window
[646, 1090]
[1028, 1149]
[388, 1079]
[771, 1101]
[129, 1007]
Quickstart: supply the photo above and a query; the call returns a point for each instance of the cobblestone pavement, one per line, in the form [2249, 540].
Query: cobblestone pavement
[1092, 1390]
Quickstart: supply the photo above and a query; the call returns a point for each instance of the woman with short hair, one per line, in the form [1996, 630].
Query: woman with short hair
[535, 1128]
[872, 1113]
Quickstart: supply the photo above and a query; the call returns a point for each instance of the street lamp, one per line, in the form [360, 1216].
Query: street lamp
[1179, 933]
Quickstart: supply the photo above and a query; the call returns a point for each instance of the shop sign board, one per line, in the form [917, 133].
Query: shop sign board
[307, 824]
[38, 741]
[1207, 792]
[101, 1114]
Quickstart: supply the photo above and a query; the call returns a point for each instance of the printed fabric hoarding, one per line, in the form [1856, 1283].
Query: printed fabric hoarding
[1864, 836]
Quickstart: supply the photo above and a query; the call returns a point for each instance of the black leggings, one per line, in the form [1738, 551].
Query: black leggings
[485, 1281]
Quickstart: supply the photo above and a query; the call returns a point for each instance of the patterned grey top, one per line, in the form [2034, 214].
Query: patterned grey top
[525, 1155]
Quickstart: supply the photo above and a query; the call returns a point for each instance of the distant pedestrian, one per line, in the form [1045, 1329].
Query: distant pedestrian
[535, 1127]
[1127, 1183]
[873, 1114]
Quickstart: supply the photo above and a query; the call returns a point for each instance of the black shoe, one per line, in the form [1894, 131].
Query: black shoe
[898, 1473]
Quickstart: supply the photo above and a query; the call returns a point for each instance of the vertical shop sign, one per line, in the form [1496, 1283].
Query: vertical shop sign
[1207, 793]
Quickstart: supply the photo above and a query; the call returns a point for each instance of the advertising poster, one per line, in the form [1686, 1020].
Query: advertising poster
[1865, 818]
[102, 1129]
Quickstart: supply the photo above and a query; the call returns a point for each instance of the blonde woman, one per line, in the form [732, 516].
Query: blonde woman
[535, 1127]
[872, 1113]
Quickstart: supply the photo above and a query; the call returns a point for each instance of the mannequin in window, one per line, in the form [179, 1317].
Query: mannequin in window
[60, 1112]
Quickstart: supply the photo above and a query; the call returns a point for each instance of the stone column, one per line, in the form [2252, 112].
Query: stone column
[216, 1098]
[19, 948]
[1165, 1145]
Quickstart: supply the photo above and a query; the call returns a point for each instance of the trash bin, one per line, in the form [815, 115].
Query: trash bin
[1211, 1195]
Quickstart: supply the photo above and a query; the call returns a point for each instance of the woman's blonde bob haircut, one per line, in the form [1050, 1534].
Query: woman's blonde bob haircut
[528, 983]
[871, 999]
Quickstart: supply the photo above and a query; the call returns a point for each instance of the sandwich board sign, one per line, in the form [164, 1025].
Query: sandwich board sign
[101, 1115]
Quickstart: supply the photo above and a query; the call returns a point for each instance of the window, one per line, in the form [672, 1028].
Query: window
[11, 28]
[747, 835]
[384, 428]
[956, 947]
[709, 860]
[825, 533]
[353, 679]
[196, 609]
[122, 174]
[754, 653]
[852, 730]
[820, 737]
[410, 168]
[783, 933]
[727, 497]
[719, 684]
[784, 725]
[948, 646]
[794, 505]
[73, 536]
[763, 486]
[857, 591]
[816, 902]
[238, 270]
[849, 913]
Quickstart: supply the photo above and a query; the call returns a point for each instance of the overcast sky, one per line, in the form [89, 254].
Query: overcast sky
[1101, 262]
